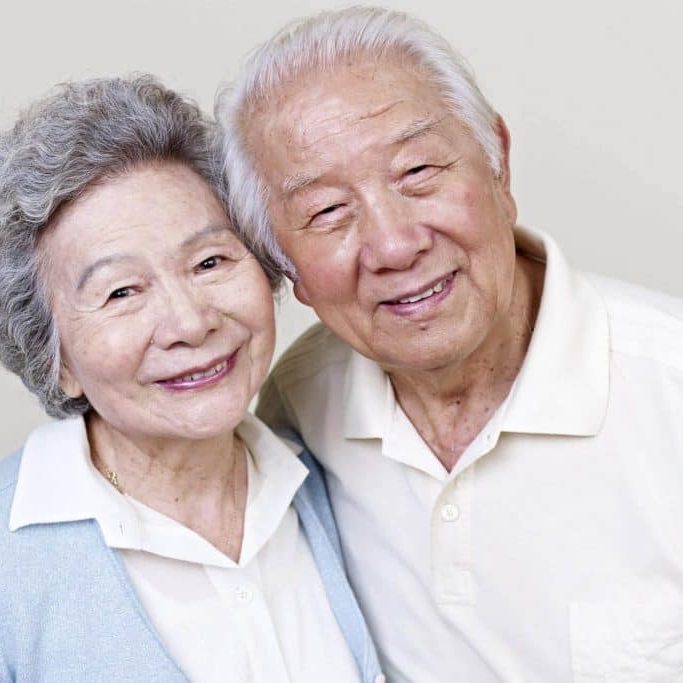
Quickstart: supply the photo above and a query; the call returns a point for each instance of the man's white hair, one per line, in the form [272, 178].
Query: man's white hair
[320, 43]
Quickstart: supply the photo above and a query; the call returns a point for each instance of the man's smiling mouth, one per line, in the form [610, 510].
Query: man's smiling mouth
[430, 291]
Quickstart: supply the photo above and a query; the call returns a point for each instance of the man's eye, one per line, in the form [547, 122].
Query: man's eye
[120, 293]
[328, 209]
[416, 170]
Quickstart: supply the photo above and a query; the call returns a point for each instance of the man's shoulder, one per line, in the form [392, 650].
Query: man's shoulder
[314, 352]
[643, 322]
[306, 378]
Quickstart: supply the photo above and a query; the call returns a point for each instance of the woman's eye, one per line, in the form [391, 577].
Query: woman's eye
[209, 263]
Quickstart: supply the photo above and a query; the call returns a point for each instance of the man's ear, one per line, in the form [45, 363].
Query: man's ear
[301, 293]
[503, 178]
[504, 137]
[68, 382]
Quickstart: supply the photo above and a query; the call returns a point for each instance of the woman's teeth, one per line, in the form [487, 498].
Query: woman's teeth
[418, 297]
[201, 375]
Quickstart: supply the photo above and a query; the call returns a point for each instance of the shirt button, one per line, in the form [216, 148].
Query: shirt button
[450, 512]
[243, 596]
[380, 678]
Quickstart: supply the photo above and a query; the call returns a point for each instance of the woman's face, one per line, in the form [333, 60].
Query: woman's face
[165, 319]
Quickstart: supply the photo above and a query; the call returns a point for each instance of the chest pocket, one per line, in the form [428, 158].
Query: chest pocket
[627, 643]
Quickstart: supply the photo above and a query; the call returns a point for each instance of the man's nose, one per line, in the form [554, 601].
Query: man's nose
[391, 236]
[184, 317]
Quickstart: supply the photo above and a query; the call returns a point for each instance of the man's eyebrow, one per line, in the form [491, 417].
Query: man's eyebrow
[294, 183]
[416, 129]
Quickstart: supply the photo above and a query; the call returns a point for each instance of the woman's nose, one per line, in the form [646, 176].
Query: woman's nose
[185, 317]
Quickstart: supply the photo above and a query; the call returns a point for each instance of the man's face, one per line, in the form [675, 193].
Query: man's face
[399, 231]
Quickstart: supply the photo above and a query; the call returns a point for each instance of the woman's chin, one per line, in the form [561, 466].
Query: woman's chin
[204, 425]
[196, 421]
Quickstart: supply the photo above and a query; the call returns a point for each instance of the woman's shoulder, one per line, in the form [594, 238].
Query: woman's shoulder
[11, 562]
[9, 470]
[23, 548]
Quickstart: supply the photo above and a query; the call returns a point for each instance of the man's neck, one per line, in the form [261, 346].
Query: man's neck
[449, 406]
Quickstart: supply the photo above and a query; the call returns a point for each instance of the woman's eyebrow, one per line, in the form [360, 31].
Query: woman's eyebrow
[202, 233]
[96, 265]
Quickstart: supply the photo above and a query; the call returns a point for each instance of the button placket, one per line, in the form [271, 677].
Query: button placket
[451, 546]
[243, 595]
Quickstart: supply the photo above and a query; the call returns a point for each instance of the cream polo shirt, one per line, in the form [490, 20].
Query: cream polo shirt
[264, 619]
[553, 552]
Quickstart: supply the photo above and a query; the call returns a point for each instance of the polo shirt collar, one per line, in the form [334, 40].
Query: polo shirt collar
[368, 398]
[562, 387]
[57, 482]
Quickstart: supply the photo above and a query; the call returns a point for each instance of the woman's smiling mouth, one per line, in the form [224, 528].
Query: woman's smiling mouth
[200, 378]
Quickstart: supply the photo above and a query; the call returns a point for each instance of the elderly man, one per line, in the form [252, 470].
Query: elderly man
[502, 435]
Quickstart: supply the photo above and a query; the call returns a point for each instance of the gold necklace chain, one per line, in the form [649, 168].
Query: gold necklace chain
[109, 475]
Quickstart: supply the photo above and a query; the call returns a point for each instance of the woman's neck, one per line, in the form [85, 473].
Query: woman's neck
[200, 484]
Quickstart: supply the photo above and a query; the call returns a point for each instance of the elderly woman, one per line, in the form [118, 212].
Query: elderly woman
[155, 531]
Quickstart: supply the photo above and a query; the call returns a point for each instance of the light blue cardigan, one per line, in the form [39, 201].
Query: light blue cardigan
[68, 611]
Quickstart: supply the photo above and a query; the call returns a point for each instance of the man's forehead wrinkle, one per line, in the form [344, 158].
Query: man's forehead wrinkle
[333, 118]
[379, 111]
[307, 133]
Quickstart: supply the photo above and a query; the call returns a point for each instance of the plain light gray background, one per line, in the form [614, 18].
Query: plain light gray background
[590, 89]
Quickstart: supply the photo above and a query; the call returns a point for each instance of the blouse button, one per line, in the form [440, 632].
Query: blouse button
[243, 595]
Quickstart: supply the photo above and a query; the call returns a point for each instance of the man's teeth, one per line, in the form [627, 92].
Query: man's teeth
[418, 297]
[200, 375]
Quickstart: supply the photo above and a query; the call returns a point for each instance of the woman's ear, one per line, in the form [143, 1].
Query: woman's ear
[300, 293]
[68, 382]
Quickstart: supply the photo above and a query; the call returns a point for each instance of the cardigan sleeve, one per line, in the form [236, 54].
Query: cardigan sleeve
[9, 467]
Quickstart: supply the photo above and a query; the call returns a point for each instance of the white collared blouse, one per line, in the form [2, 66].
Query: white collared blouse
[264, 618]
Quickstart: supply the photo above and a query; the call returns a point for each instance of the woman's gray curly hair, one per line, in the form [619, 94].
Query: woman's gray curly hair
[81, 133]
